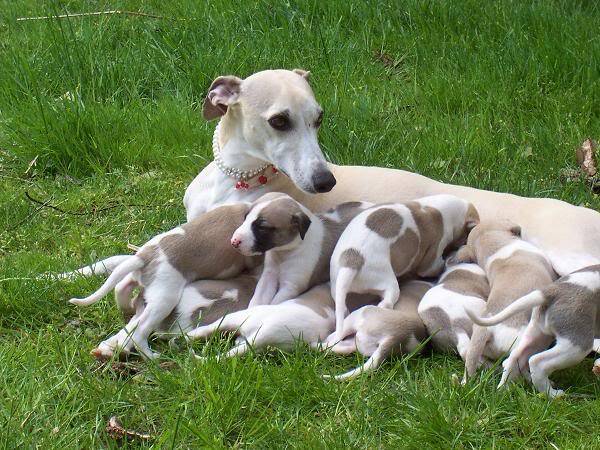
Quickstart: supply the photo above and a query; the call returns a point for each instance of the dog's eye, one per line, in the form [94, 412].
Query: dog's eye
[280, 122]
[319, 120]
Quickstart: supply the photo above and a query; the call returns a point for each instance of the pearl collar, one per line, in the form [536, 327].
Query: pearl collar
[240, 175]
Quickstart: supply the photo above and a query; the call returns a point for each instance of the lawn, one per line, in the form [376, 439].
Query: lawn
[100, 117]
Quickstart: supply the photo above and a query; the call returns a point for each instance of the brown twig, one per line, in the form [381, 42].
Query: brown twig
[46, 204]
[98, 13]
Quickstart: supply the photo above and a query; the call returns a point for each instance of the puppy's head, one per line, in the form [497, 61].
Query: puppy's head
[279, 117]
[486, 238]
[275, 222]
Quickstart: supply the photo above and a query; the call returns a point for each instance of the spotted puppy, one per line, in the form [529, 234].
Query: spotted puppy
[296, 242]
[565, 312]
[443, 306]
[389, 241]
[514, 268]
[380, 332]
[165, 265]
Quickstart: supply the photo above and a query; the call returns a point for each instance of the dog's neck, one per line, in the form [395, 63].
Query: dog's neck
[233, 148]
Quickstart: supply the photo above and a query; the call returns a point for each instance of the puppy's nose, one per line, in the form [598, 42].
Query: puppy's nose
[235, 242]
[323, 181]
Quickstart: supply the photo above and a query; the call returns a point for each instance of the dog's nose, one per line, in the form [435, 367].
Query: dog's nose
[235, 242]
[323, 181]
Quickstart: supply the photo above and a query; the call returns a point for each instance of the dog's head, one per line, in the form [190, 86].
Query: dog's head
[278, 116]
[275, 221]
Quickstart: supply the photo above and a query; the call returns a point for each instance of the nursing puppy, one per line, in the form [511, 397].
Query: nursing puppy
[443, 306]
[163, 267]
[389, 241]
[296, 242]
[308, 318]
[514, 268]
[565, 311]
[379, 332]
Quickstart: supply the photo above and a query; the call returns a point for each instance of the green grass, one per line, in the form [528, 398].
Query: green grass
[490, 94]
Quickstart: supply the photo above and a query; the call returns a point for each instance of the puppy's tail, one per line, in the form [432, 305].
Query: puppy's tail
[343, 281]
[477, 345]
[121, 271]
[384, 349]
[102, 267]
[525, 303]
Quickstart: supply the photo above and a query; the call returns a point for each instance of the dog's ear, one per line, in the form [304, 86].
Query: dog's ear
[223, 92]
[463, 255]
[472, 218]
[303, 73]
[301, 221]
[516, 230]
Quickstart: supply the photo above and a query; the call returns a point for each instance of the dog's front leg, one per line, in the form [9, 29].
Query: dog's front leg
[267, 285]
[286, 291]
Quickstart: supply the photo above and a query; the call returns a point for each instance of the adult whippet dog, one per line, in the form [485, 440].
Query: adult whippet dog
[269, 121]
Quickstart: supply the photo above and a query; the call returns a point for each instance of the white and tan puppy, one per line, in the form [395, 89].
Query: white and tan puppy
[204, 301]
[308, 318]
[380, 332]
[389, 241]
[163, 267]
[296, 242]
[514, 268]
[443, 307]
[566, 312]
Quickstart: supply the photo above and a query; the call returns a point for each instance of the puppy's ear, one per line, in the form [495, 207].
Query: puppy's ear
[301, 221]
[463, 255]
[516, 230]
[472, 218]
[303, 73]
[223, 92]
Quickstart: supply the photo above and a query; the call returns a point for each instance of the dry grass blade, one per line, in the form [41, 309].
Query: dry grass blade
[115, 430]
[97, 13]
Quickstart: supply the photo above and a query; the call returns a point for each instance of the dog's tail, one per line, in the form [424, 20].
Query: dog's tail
[101, 267]
[132, 263]
[344, 280]
[525, 303]
[477, 345]
[384, 349]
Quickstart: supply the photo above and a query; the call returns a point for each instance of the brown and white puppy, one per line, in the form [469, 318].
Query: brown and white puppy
[380, 332]
[389, 241]
[296, 242]
[163, 267]
[567, 312]
[514, 268]
[443, 306]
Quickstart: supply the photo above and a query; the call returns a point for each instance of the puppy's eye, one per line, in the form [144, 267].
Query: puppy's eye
[280, 122]
[319, 120]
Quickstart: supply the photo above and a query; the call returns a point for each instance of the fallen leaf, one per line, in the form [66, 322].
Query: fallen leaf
[115, 430]
[596, 370]
[586, 157]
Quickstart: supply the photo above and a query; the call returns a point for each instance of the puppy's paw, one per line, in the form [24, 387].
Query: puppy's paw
[596, 369]
[102, 352]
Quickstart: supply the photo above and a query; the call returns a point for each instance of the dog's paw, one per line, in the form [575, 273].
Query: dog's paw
[102, 353]
[596, 369]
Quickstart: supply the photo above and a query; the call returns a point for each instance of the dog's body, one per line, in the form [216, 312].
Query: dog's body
[442, 309]
[565, 311]
[297, 244]
[308, 318]
[247, 140]
[380, 332]
[389, 241]
[163, 267]
[514, 268]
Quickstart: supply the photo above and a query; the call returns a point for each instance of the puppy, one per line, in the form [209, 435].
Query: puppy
[514, 268]
[443, 306]
[163, 267]
[378, 332]
[566, 312]
[296, 242]
[308, 318]
[389, 241]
